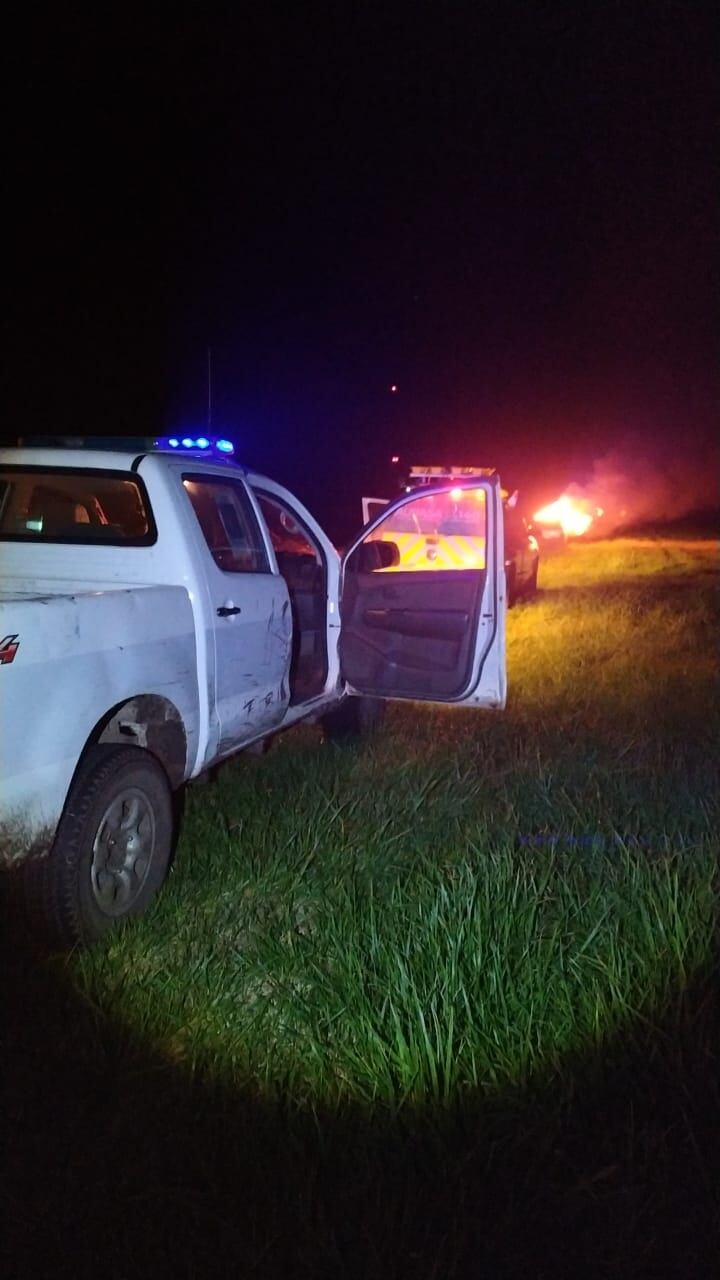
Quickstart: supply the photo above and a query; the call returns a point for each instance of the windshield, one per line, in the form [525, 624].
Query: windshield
[60, 504]
[459, 511]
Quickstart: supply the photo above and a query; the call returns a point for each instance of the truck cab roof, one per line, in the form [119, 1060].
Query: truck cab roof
[105, 459]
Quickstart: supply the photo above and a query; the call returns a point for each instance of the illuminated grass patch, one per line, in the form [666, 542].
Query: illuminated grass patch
[476, 900]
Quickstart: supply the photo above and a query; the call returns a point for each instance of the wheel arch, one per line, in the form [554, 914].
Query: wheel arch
[149, 721]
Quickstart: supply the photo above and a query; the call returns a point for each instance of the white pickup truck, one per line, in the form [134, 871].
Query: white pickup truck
[161, 611]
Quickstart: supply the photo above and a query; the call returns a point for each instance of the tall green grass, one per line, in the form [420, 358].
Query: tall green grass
[472, 903]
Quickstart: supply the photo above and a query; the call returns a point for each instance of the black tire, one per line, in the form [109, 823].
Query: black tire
[356, 717]
[111, 851]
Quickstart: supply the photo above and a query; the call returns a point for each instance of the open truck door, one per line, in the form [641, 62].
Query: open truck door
[423, 599]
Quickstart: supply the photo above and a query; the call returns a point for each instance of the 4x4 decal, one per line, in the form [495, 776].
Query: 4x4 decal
[8, 648]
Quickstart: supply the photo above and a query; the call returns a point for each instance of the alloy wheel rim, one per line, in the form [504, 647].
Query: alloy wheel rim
[122, 852]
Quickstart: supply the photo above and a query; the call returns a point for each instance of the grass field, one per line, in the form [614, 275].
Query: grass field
[442, 1005]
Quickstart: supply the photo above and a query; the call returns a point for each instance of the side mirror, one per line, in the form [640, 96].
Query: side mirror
[389, 553]
[372, 556]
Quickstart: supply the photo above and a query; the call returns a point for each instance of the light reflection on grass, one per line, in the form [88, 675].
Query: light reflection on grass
[458, 907]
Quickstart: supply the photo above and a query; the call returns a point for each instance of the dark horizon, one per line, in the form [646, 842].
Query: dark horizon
[507, 215]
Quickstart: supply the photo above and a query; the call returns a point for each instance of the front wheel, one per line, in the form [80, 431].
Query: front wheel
[112, 848]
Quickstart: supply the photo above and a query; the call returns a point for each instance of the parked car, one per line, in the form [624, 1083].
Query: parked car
[163, 610]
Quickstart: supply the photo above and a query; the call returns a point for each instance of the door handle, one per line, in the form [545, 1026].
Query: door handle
[228, 610]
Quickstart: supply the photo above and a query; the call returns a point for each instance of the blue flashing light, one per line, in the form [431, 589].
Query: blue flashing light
[200, 444]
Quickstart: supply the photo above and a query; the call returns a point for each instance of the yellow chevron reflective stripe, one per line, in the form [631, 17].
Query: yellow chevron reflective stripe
[461, 552]
[436, 551]
[410, 545]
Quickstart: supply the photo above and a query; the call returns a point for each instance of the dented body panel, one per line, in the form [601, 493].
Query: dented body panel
[79, 656]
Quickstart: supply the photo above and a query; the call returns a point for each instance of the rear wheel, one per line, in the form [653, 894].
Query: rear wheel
[112, 848]
[356, 717]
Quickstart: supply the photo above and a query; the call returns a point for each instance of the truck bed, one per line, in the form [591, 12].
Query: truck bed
[78, 651]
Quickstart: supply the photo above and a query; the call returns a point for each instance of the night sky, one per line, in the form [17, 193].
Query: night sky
[508, 211]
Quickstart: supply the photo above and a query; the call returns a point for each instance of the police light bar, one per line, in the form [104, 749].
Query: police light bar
[419, 476]
[199, 445]
[427, 474]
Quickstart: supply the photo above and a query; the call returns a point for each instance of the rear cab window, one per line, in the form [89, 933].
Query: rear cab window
[74, 505]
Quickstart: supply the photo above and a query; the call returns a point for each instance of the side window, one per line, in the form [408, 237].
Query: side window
[432, 531]
[298, 555]
[287, 535]
[228, 523]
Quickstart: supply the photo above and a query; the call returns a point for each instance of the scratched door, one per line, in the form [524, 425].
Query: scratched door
[252, 622]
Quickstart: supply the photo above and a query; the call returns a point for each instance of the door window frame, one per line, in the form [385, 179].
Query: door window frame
[492, 574]
[236, 483]
[426, 491]
[260, 493]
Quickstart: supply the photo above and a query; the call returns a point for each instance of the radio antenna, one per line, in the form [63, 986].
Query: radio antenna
[209, 371]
